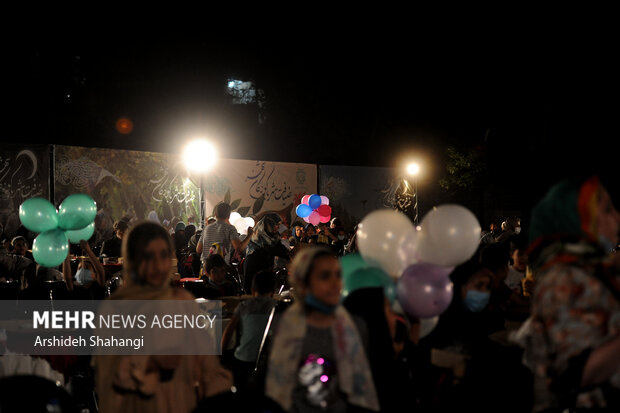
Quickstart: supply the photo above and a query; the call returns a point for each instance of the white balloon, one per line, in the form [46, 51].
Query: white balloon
[379, 238]
[427, 325]
[449, 235]
[408, 250]
[234, 217]
[241, 226]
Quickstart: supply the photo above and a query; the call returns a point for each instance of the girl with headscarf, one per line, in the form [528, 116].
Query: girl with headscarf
[143, 383]
[265, 244]
[317, 361]
[572, 340]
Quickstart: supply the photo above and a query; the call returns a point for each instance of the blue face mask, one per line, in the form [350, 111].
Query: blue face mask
[476, 301]
[319, 306]
[83, 276]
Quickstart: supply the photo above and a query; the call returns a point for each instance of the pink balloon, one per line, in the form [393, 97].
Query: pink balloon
[306, 219]
[326, 219]
[314, 218]
[425, 290]
[304, 199]
[324, 210]
[324, 200]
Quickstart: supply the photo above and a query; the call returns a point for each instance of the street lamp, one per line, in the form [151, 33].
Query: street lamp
[199, 156]
[413, 169]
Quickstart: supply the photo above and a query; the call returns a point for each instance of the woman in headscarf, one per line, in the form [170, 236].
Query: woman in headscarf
[143, 383]
[263, 247]
[573, 340]
[317, 361]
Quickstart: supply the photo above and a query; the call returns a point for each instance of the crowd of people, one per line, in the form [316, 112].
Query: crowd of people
[534, 324]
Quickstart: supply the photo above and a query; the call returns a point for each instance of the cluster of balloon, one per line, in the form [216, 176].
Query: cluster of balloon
[420, 260]
[73, 222]
[241, 223]
[314, 209]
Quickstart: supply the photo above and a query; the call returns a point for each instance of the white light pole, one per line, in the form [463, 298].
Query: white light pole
[413, 169]
[199, 156]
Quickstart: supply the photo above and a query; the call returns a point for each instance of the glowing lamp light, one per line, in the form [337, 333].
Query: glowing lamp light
[413, 169]
[324, 378]
[231, 84]
[200, 155]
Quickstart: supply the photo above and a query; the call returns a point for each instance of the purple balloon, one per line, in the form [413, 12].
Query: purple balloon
[425, 290]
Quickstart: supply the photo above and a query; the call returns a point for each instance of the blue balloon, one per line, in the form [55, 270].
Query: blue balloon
[303, 211]
[314, 201]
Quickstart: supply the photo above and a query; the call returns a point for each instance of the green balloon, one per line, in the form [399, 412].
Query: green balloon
[38, 215]
[81, 234]
[367, 278]
[50, 248]
[76, 212]
[351, 263]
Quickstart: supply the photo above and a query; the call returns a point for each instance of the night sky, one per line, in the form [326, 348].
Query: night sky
[536, 109]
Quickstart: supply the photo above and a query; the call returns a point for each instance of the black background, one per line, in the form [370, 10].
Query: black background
[538, 101]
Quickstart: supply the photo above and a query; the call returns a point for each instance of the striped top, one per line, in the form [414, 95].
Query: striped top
[222, 233]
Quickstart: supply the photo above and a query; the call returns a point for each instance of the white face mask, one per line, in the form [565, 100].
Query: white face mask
[517, 230]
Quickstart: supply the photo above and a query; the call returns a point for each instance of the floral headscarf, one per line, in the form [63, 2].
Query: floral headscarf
[265, 233]
[568, 212]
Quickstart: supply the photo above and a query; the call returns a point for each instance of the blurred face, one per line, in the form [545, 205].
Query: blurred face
[520, 259]
[480, 281]
[299, 232]
[311, 231]
[20, 247]
[608, 218]
[218, 274]
[120, 233]
[325, 281]
[155, 267]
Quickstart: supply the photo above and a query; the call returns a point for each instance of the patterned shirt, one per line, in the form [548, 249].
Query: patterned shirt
[222, 233]
[573, 313]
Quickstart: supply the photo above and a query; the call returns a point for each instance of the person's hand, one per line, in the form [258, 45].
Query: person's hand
[84, 245]
[250, 231]
[528, 286]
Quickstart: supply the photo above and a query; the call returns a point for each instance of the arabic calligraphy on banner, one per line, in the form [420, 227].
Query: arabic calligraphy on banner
[132, 184]
[24, 174]
[156, 186]
[252, 187]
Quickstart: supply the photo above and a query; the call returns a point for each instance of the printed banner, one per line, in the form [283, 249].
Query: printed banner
[157, 186]
[127, 184]
[24, 174]
[355, 191]
[254, 188]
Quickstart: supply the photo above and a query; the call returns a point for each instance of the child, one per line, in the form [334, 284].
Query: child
[215, 278]
[249, 321]
[317, 361]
